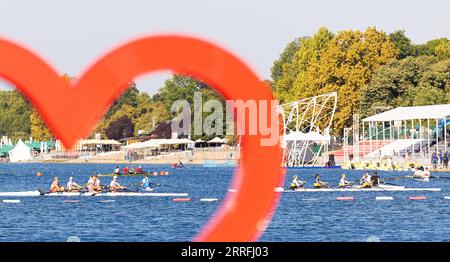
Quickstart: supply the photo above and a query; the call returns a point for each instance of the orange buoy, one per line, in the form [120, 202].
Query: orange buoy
[344, 198]
[181, 199]
[38, 174]
[161, 173]
[417, 197]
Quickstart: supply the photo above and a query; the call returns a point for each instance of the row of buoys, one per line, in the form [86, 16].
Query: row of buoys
[187, 199]
[163, 173]
[11, 201]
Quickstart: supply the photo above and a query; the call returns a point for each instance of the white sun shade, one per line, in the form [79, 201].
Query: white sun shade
[412, 112]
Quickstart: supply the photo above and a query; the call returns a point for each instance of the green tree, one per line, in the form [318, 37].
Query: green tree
[403, 43]
[347, 66]
[120, 128]
[39, 130]
[408, 82]
[290, 83]
[129, 97]
[286, 57]
[181, 87]
[442, 50]
[15, 114]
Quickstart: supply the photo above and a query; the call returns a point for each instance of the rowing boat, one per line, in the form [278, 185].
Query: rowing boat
[135, 175]
[105, 194]
[358, 189]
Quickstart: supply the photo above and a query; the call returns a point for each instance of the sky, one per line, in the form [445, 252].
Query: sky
[72, 34]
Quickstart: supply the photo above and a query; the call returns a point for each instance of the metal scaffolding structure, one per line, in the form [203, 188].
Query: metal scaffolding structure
[306, 129]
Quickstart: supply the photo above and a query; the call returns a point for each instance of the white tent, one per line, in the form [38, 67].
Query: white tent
[412, 112]
[217, 140]
[174, 141]
[155, 143]
[300, 136]
[20, 152]
[142, 145]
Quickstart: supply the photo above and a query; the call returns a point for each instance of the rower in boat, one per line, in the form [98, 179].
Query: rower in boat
[139, 170]
[72, 185]
[179, 165]
[375, 179]
[320, 184]
[56, 186]
[146, 183]
[116, 171]
[93, 186]
[422, 174]
[418, 173]
[343, 182]
[366, 181]
[125, 170]
[296, 183]
[114, 185]
[426, 174]
[131, 171]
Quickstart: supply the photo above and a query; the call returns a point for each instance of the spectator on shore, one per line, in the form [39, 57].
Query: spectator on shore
[434, 159]
[445, 159]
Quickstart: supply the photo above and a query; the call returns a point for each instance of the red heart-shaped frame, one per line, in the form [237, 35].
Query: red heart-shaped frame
[71, 112]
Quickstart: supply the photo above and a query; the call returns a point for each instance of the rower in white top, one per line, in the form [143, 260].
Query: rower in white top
[343, 182]
[72, 185]
[115, 185]
[423, 174]
[296, 183]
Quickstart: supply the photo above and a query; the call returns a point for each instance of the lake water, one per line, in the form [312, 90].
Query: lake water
[299, 216]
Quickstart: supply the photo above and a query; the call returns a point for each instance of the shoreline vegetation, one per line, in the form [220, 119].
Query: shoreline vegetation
[371, 71]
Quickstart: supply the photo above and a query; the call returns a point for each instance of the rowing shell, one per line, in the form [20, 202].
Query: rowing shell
[358, 189]
[111, 175]
[106, 194]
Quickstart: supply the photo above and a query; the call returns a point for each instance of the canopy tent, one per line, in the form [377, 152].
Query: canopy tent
[310, 136]
[174, 141]
[83, 142]
[199, 141]
[143, 145]
[217, 140]
[97, 144]
[20, 152]
[4, 150]
[156, 143]
[412, 112]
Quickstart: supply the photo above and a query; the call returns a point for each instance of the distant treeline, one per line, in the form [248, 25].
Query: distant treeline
[371, 71]
[133, 111]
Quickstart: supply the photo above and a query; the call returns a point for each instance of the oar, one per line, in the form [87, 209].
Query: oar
[397, 177]
[440, 177]
[151, 185]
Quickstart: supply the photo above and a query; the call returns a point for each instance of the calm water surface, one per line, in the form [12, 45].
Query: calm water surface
[299, 216]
